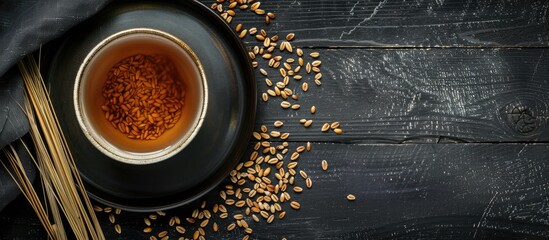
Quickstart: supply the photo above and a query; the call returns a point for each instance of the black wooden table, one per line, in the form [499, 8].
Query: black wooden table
[444, 108]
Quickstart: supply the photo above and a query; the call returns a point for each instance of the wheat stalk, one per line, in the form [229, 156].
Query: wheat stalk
[64, 190]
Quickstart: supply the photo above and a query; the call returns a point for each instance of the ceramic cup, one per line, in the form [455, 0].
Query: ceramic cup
[88, 97]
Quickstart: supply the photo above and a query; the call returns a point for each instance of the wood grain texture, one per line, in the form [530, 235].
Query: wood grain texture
[390, 23]
[425, 95]
[407, 191]
[398, 71]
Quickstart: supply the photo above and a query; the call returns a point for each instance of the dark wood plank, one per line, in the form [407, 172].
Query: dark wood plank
[427, 191]
[390, 23]
[425, 95]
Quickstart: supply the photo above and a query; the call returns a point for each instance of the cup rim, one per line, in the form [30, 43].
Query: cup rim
[109, 149]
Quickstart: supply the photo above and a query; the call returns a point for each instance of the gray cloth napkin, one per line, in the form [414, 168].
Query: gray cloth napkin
[24, 26]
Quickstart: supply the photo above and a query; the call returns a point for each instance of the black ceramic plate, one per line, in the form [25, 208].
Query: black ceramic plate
[223, 136]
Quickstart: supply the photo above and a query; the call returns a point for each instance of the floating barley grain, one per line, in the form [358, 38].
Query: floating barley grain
[278, 124]
[301, 62]
[282, 72]
[318, 82]
[287, 66]
[240, 203]
[259, 11]
[308, 123]
[299, 52]
[265, 97]
[231, 227]
[255, 6]
[289, 47]
[334, 125]
[275, 134]
[351, 197]
[288, 91]
[244, 224]
[118, 228]
[229, 202]
[294, 156]
[290, 36]
[162, 234]
[295, 205]
[318, 76]
[270, 219]
[222, 208]
[204, 223]
[97, 208]
[277, 91]
[292, 165]
[314, 54]
[325, 127]
[285, 104]
[338, 131]
[309, 183]
[282, 46]
[232, 5]
[305, 87]
[180, 229]
[296, 106]
[303, 174]
[324, 165]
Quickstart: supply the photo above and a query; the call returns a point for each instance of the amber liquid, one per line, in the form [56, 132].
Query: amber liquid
[96, 75]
